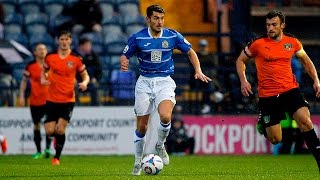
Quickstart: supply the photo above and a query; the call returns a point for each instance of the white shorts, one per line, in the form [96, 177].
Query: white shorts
[150, 91]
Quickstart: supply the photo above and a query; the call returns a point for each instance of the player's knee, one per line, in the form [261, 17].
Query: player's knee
[165, 118]
[36, 126]
[275, 139]
[50, 132]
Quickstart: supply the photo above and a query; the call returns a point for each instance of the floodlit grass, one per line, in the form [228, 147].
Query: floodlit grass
[181, 167]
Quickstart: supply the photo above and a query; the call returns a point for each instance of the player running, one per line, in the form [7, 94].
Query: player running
[62, 67]
[155, 89]
[277, 86]
[38, 97]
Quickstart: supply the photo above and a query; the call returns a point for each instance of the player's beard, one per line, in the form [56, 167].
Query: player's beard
[274, 36]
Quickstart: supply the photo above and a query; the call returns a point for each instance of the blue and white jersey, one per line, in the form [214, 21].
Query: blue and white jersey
[155, 54]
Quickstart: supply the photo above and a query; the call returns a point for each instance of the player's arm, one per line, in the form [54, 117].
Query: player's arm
[85, 80]
[124, 63]
[310, 69]
[241, 70]
[22, 89]
[196, 65]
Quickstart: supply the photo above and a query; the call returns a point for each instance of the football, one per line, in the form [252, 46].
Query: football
[152, 164]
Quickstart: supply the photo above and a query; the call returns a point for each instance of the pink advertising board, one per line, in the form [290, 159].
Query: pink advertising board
[226, 134]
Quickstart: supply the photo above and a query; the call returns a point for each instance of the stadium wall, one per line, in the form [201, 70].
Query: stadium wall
[109, 130]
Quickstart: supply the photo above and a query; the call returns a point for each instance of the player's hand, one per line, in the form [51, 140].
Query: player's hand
[124, 63]
[44, 82]
[82, 86]
[22, 101]
[246, 88]
[316, 87]
[202, 77]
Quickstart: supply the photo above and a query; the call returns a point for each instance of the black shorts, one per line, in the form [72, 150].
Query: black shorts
[272, 109]
[59, 110]
[37, 113]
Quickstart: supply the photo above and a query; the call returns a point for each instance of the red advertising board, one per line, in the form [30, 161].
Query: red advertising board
[229, 134]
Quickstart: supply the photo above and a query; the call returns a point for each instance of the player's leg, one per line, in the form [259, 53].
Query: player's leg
[302, 117]
[60, 138]
[165, 101]
[3, 143]
[142, 108]
[65, 110]
[36, 118]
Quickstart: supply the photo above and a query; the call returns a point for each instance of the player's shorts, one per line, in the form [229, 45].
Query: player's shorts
[150, 91]
[272, 109]
[59, 110]
[37, 113]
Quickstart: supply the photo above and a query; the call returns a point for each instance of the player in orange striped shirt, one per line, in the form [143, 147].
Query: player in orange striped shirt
[277, 87]
[38, 96]
[62, 68]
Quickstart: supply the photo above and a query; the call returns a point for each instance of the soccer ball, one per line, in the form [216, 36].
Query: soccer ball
[152, 164]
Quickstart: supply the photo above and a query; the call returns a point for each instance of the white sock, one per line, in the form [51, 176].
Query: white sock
[163, 132]
[139, 141]
[1, 138]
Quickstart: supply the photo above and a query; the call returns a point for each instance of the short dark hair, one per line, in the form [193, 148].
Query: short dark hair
[156, 8]
[84, 40]
[276, 13]
[64, 32]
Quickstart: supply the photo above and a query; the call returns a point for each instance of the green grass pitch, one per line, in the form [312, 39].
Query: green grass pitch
[181, 167]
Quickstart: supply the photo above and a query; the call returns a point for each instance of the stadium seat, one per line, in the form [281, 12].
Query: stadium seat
[12, 28]
[114, 37]
[29, 6]
[128, 8]
[133, 28]
[122, 84]
[36, 23]
[115, 47]
[20, 38]
[112, 25]
[53, 7]
[9, 6]
[46, 39]
[107, 8]
[13, 18]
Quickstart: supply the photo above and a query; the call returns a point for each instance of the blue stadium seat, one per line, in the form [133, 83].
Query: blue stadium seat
[12, 28]
[107, 8]
[9, 6]
[29, 6]
[115, 47]
[46, 39]
[133, 28]
[112, 25]
[122, 84]
[36, 23]
[53, 7]
[114, 37]
[20, 38]
[13, 18]
[128, 8]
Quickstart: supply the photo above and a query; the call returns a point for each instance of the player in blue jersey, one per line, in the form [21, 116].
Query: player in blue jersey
[155, 88]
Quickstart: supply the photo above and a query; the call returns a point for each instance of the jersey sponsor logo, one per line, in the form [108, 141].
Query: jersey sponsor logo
[147, 44]
[126, 49]
[156, 56]
[287, 47]
[165, 44]
[70, 64]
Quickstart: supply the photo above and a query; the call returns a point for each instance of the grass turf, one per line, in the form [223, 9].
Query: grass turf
[181, 167]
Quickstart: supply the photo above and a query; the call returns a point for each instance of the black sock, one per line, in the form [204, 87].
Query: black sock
[37, 139]
[60, 139]
[48, 141]
[312, 142]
